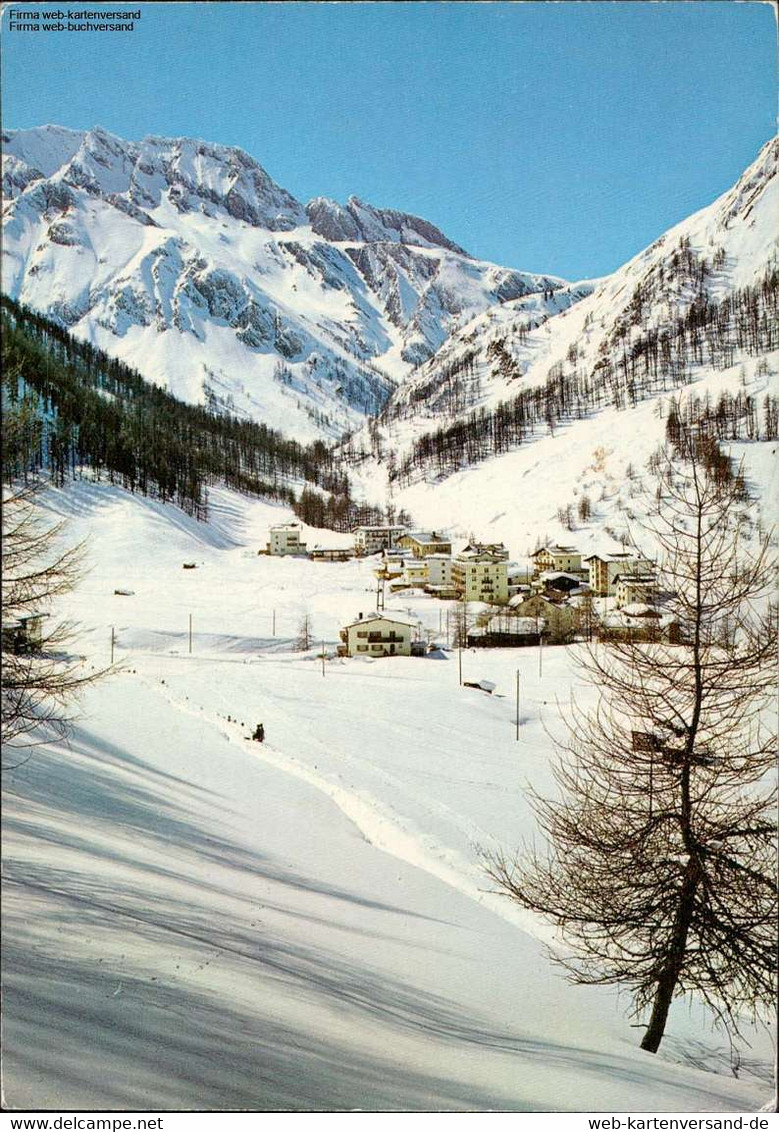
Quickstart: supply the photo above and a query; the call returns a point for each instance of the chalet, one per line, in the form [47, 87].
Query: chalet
[480, 576]
[24, 634]
[636, 587]
[565, 558]
[504, 631]
[285, 540]
[560, 618]
[423, 543]
[604, 569]
[639, 622]
[379, 634]
[557, 581]
[370, 540]
[331, 554]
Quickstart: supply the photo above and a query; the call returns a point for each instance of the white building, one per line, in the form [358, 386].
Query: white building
[565, 558]
[424, 543]
[479, 576]
[604, 569]
[439, 569]
[416, 572]
[370, 540]
[379, 634]
[285, 539]
[635, 588]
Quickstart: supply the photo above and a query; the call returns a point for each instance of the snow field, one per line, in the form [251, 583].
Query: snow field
[196, 920]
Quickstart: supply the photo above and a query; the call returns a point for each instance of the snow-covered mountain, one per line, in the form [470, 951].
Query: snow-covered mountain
[187, 261]
[512, 419]
[728, 245]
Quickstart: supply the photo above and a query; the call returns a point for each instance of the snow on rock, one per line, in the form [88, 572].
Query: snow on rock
[327, 306]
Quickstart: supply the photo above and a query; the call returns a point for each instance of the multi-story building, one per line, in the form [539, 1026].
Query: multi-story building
[416, 572]
[562, 558]
[424, 543]
[604, 569]
[478, 576]
[285, 539]
[635, 588]
[378, 634]
[439, 570]
[370, 540]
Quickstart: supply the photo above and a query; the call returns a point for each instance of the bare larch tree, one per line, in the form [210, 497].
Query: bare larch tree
[660, 859]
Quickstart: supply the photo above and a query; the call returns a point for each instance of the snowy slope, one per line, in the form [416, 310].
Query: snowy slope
[194, 920]
[533, 495]
[532, 342]
[187, 261]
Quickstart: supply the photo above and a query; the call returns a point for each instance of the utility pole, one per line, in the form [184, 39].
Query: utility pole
[274, 622]
[190, 632]
[518, 705]
[540, 650]
[323, 658]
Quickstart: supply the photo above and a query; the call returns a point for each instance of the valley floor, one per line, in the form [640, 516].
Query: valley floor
[195, 920]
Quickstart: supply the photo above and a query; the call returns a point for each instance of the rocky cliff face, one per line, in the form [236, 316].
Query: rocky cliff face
[188, 261]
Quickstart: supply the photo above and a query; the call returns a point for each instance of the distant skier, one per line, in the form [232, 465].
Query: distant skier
[259, 733]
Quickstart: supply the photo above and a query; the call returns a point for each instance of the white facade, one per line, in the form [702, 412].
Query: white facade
[605, 568]
[416, 573]
[439, 569]
[285, 539]
[424, 543]
[370, 540]
[378, 634]
[481, 577]
[633, 588]
[563, 558]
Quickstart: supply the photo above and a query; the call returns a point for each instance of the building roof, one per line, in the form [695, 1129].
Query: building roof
[486, 548]
[521, 598]
[636, 615]
[518, 625]
[617, 556]
[426, 537]
[387, 615]
[554, 549]
[376, 528]
[480, 554]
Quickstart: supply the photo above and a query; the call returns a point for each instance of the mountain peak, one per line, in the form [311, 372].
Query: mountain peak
[358, 220]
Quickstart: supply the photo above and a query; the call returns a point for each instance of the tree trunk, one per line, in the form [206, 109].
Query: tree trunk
[669, 975]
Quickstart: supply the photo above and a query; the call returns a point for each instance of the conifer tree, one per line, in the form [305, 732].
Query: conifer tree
[660, 870]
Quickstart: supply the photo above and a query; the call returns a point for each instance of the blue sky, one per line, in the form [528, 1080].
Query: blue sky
[550, 137]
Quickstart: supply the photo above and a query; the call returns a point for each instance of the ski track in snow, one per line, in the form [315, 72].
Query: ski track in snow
[377, 825]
